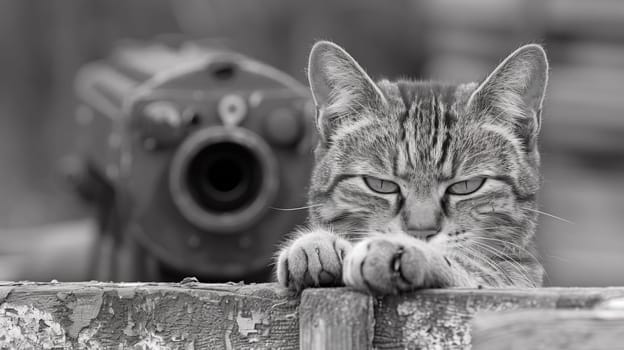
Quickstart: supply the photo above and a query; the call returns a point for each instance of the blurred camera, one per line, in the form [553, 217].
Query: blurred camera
[186, 150]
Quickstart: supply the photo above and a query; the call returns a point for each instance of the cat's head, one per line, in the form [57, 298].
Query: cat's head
[442, 162]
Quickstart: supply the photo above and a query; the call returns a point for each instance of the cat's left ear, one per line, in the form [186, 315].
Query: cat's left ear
[514, 92]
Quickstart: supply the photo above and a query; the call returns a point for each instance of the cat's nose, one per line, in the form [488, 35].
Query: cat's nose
[425, 235]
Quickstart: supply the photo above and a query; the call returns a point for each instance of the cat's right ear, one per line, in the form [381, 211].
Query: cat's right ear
[340, 87]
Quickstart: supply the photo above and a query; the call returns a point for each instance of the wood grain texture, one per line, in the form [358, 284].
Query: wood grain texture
[337, 319]
[147, 316]
[549, 330]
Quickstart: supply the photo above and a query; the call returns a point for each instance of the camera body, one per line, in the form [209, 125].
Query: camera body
[187, 151]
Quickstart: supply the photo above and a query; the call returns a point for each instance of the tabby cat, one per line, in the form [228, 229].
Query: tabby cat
[421, 184]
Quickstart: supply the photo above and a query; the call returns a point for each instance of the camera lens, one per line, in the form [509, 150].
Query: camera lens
[223, 177]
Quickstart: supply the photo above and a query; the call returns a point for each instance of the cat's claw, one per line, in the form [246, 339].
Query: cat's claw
[313, 260]
[385, 265]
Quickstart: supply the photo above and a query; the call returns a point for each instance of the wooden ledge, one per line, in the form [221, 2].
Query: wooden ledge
[549, 329]
[95, 315]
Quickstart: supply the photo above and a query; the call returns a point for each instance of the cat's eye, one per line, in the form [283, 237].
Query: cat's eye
[381, 186]
[466, 187]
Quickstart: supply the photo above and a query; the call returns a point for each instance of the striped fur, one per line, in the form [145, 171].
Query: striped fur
[425, 136]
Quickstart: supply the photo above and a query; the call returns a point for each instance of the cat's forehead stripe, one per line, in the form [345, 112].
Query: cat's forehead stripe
[425, 125]
[445, 161]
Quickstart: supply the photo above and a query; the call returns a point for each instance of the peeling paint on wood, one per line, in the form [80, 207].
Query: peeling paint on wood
[26, 327]
[147, 316]
[85, 308]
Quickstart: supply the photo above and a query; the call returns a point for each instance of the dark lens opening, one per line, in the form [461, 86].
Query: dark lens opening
[224, 177]
[228, 174]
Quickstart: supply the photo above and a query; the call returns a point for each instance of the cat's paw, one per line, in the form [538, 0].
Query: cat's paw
[385, 265]
[312, 260]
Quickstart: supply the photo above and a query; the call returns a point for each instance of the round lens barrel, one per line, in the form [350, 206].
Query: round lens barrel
[224, 176]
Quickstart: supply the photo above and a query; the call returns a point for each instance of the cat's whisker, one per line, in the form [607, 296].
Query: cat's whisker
[494, 266]
[495, 271]
[493, 231]
[535, 259]
[487, 228]
[492, 263]
[513, 245]
[506, 243]
[521, 270]
[469, 264]
[463, 272]
[508, 231]
[521, 273]
[549, 215]
[296, 208]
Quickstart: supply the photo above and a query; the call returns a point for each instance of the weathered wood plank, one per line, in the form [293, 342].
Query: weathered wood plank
[440, 319]
[193, 315]
[549, 330]
[147, 316]
[337, 319]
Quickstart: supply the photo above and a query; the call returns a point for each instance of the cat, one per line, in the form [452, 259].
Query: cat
[421, 184]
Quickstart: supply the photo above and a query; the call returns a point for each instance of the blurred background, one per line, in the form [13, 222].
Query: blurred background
[46, 232]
